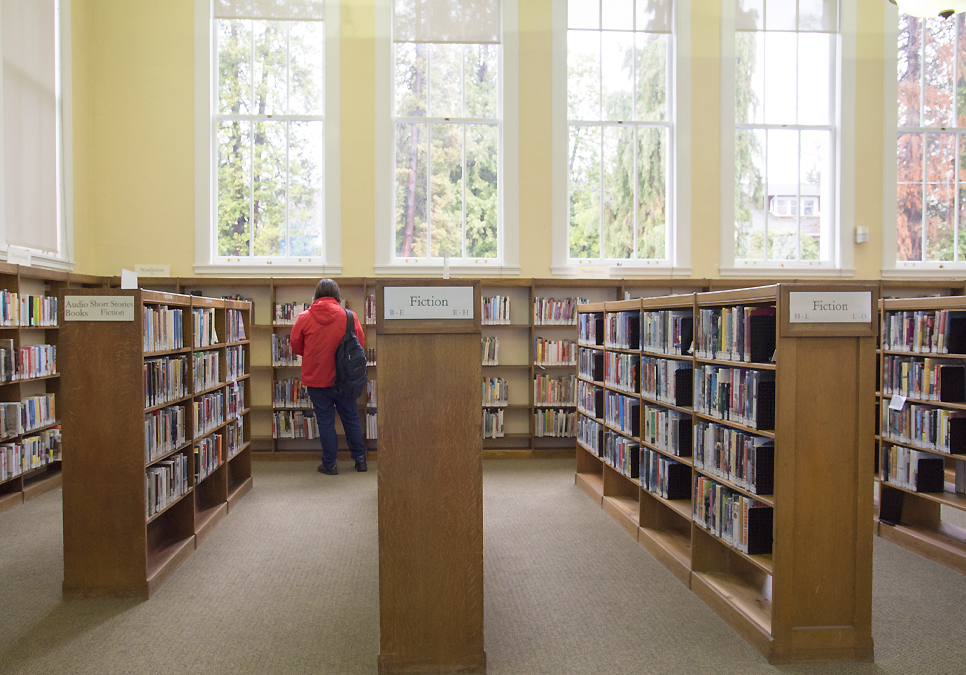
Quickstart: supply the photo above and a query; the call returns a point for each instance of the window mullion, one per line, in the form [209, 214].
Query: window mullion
[288, 138]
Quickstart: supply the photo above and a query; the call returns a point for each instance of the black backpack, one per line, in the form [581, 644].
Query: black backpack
[350, 363]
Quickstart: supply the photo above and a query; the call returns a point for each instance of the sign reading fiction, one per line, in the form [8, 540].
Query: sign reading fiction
[830, 307]
[98, 308]
[428, 302]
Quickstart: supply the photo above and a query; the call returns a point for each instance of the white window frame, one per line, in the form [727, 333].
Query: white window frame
[63, 259]
[892, 267]
[842, 259]
[678, 262]
[507, 260]
[206, 259]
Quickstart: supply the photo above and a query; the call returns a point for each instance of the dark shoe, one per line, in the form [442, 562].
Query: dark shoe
[361, 466]
[334, 471]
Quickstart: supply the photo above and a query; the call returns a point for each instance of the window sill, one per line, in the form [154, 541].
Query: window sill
[47, 261]
[925, 271]
[248, 268]
[420, 268]
[620, 271]
[786, 270]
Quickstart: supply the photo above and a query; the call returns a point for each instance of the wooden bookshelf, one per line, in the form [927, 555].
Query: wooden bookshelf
[798, 586]
[916, 473]
[120, 537]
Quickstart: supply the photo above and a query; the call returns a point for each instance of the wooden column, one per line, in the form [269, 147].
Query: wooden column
[430, 490]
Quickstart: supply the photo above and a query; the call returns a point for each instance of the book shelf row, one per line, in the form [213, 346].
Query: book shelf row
[690, 438]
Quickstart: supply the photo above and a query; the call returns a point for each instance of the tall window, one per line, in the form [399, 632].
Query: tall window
[620, 121]
[931, 150]
[268, 129]
[447, 125]
[784, 143]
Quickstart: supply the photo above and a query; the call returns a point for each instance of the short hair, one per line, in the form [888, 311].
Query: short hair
[327, 288]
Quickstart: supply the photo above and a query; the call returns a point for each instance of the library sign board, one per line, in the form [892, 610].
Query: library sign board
[841, 310]
[428, 302]
[98, 308]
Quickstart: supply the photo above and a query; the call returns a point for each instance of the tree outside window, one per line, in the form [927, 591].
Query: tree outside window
[269, 133]
[620, 128]
[931, 143]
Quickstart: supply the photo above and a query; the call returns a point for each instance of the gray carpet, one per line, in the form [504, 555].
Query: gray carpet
[287, 583]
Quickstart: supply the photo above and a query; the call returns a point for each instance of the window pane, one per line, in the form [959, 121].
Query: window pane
[618, 200]
[270, 69]
[268, 181]
[234, 67]
[652, 193]
[780, 15]
[654, 15]
[815, 222]
[749, 78]
[652, 77]
[909, 71]
[909, 207]
[749, 193]
[818, 15]
[583, 14]
[782, 163]
[584, 192]
[781, 56]
[939, 53]
[583, 73]
[961, 70]
[306, 161]
[410, 79]
[445, 80]
[482, 205]
[617, 65]
[411, 144]
[481, 80]
[961, 253]
[446, 219]
[234, 187]
[940, 209]
[814, 71]
[307, 76]
[617, 14]
[749, 15]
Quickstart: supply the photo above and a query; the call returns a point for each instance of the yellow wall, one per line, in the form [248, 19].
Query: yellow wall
[133, 66]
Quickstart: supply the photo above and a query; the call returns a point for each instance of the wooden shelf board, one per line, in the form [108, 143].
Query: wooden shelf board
[592, 484]
[949, 498]
[51, 481]
[667, 453]
[238, 490]
[742, 607]
[945, 544]
[670, 406]
[10, 500]
[767, 433]
[206, 520]
[682, 507]
[661, 355]
[162, 563]
[671, 548]
[625, 511]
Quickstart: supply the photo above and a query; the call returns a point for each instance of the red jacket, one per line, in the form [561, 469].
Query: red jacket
[316, 335]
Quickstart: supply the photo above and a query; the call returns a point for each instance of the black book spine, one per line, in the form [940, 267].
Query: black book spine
[766, 406]
[678, 481]
[952, 384]
[765, 470]
[685, 437]
[683, 387]
[760, 521]
[930, 476]
[957, 435]
[762, 338]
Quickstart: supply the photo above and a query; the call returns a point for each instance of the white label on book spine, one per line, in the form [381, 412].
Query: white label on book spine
[428, 302]
[830, 307]
[98, 308]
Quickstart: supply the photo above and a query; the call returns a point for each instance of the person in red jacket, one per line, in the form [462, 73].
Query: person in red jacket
[315, 336]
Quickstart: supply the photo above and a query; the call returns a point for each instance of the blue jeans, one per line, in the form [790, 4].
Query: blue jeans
[327, 403]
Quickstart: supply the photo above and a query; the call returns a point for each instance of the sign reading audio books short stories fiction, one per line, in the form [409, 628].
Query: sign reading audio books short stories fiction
[98, 308]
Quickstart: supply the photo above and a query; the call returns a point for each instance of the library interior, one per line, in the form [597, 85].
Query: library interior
[664, 302]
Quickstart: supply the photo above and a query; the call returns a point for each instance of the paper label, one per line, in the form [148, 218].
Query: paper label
[897, 402]
[98, 308]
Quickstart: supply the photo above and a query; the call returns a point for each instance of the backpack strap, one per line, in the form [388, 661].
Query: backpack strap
[349, 323]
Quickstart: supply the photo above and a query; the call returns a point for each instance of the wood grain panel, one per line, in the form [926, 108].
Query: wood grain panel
[430, 504]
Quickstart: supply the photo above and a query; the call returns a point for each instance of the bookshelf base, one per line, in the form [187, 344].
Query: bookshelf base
[747, 611]
[10, 500]
[206, 520]
[672, 549]
[592, 484]
[945, 544]
[163, 562]
[237, 491]
[625, 511]
[43, 484]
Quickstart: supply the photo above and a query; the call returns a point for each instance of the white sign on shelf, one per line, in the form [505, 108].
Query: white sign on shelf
[129, 280]
[830, 307]
[897, 402]
[153, 270]
[428, 302]
[18, 255]
[98, 308]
